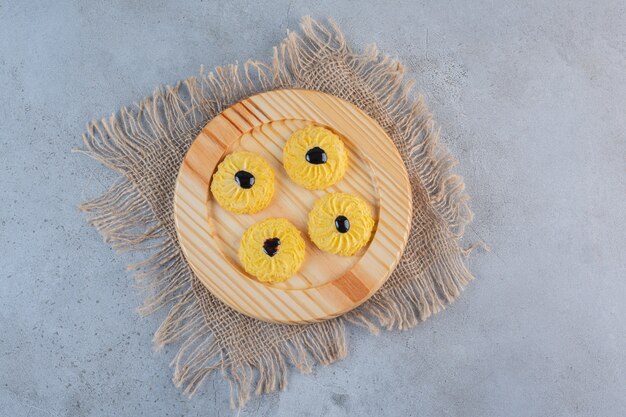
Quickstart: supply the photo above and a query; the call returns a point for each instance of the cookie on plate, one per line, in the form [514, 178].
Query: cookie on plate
[315, 158]
[243, 183]
[340, 223]
[272, 250]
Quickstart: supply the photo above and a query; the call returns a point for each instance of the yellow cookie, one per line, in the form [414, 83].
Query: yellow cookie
[243, 183]
[340, 223]
[272, 250]
[315, 157]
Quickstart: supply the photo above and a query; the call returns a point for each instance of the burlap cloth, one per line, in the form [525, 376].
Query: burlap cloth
[145, 144]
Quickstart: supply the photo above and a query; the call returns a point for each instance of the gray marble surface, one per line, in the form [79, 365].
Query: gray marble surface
[530, 96]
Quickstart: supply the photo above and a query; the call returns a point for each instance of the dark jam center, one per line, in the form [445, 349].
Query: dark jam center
[244, 179]
[270, 246]
[316, 156]
[342, 224]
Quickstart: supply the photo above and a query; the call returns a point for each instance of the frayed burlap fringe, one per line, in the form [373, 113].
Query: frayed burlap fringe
[145, 145]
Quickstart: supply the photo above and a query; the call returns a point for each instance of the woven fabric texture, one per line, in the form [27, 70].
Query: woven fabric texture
[145, 145]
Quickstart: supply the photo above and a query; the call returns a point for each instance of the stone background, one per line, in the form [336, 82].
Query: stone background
[530, 96]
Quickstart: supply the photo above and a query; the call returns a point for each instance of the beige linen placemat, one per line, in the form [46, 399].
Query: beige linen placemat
[145, 145]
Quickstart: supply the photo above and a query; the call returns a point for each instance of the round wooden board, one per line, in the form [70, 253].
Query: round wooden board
[327, 285]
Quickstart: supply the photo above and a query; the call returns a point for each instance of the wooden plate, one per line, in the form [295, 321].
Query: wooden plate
[327, 285]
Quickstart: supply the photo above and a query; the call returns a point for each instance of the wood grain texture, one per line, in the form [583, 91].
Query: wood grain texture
[327, 285]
